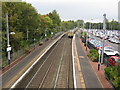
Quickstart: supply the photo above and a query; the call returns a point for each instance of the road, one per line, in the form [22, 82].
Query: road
[54, 69]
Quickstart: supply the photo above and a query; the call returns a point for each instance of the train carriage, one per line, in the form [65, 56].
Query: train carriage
[70, 34]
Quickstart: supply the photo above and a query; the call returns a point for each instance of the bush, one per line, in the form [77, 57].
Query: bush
[93, 55]
[84, 34]
[107, 71]
[113, 75]
[26, 48]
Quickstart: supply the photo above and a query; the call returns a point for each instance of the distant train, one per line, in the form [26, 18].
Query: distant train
[71, 33]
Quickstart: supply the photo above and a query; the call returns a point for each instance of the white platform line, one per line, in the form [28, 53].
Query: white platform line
[74, 77]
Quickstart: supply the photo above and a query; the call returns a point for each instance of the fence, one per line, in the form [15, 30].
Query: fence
[18, 54]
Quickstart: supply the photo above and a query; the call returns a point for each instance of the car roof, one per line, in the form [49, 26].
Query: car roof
[116, 57]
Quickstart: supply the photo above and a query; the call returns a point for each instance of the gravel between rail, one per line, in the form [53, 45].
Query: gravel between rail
[54, 69]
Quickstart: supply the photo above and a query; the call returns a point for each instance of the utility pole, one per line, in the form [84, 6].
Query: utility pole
[89, 30]
[104, 28]
[87, 35]
[27, 33]
[8, 44]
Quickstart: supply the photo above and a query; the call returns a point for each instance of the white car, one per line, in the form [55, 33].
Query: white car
[109, 52]
[117, 41]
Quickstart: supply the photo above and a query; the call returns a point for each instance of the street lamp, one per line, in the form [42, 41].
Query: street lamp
[86, 39]
[102, 57]
[99, 52]
[8, 42]
[104, 28]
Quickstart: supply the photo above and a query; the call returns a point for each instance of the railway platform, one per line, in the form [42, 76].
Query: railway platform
[84, 75]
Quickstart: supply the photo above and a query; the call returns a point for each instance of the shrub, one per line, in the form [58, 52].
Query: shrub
[93, 55]
[26, 48]
[113, 75]
[107, 71]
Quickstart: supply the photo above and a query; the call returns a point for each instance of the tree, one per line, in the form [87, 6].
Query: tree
[67, 25]
[56, 19]
[46, 24]
[80, 23]
[21, 16]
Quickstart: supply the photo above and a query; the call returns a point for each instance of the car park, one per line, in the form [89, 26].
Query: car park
[110, 35]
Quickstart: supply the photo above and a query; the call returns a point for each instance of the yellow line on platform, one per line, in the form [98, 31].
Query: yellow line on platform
[79, 67]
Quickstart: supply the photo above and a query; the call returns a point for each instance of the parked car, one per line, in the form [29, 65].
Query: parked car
[100, 46]
[117, 41]
[109, 52]
[114, 60]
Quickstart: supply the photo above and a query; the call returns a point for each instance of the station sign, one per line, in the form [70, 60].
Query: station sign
[8, 49]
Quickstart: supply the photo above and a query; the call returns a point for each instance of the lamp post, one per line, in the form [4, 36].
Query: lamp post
[91, 26]
[86, 39]
[104, 28]
[34, 42]
[8, 44]
[8, 41]
[99, 52]
[27, 33]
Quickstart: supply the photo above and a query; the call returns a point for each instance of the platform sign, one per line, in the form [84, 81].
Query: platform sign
[99, 51]
[52, 33]
[12, 32]
[45, 35]
[8, 49]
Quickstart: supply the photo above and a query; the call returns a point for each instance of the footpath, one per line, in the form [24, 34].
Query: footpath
[86, 71]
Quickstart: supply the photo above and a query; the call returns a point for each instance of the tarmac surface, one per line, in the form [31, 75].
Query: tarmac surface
[90, 78]
[99, 73]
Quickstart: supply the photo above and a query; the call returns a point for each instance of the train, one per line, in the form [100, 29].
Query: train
[70, 34]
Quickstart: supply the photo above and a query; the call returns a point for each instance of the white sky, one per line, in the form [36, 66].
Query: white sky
[78, 9]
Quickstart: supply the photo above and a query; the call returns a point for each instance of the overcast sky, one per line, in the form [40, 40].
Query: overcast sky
[78, 9]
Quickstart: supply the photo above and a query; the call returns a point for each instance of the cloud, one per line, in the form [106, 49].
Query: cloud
[78, 9]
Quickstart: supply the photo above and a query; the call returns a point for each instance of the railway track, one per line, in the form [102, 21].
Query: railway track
[54, 69]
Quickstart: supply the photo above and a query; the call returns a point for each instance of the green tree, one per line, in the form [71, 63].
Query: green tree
[80, 23]
[56, 20]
